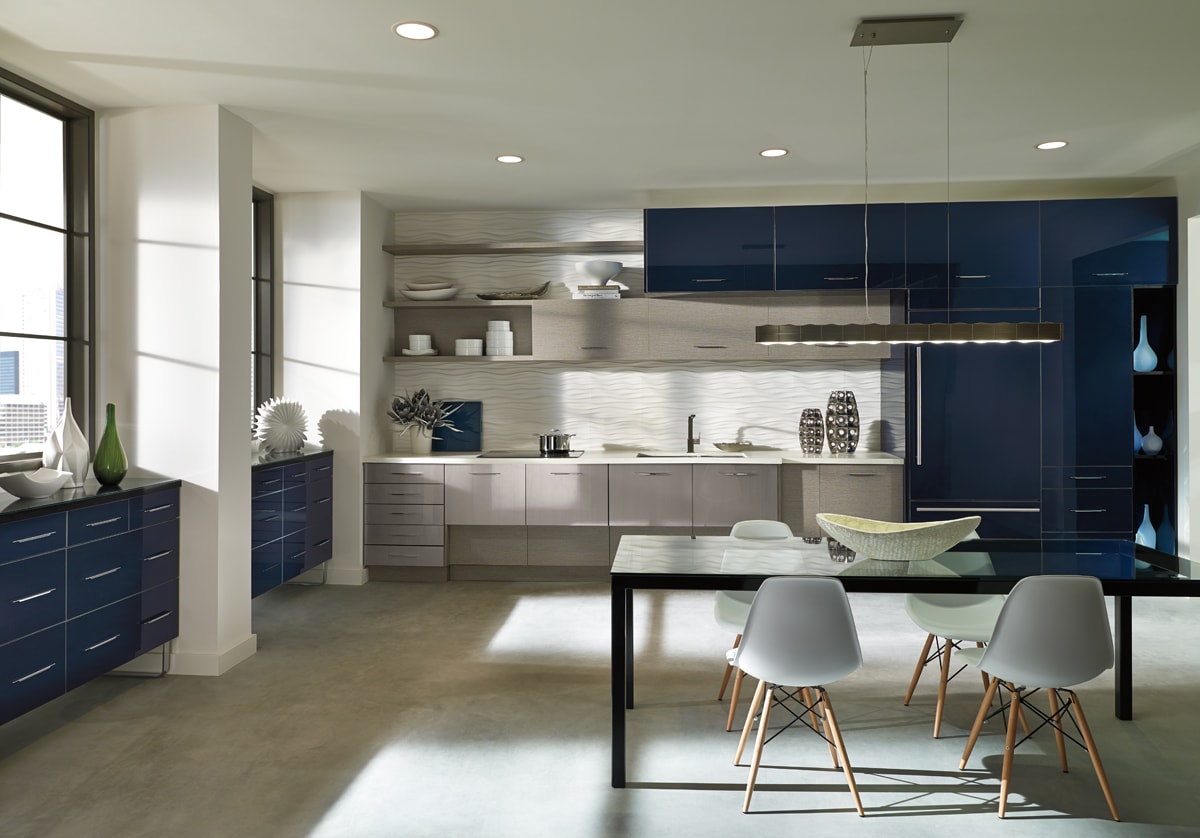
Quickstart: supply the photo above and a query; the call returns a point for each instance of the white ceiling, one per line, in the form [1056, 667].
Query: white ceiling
[629, 103]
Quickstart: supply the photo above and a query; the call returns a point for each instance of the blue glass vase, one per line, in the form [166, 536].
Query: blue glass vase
[1144, 358]
[1165, 534]
[1145, 533]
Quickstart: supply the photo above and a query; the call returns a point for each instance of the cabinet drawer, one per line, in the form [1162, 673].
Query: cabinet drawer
[650, 496]
[722, 495]
[998, 521]
[487, 494]
[102, 572]
[93, 522]
[103, 640]
[266, 567]
[35, 595]
[404, 493]
[295, 509]
[266, 519]
[295, 556]
[32, 671]
[319, 492]
[1088, 510]
[160, 553]
[264, 481]
[153, 508]
[397, 535]
[1088, 477]
[566, 494]
[320, 468]
[160, 616]
[403, 473]
[33, 536]
[398, 513]
[374, 554]
[865, 491]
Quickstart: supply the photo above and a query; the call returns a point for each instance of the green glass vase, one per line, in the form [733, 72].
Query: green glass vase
[110, 463]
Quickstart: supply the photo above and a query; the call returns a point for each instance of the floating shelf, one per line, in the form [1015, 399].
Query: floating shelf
[511, 248]
[407, 359]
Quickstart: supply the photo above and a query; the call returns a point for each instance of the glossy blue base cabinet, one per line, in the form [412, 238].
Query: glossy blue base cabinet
[291, 517]
[89, 580]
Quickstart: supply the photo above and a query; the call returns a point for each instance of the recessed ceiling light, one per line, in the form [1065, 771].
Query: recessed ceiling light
[1050, 145]
[415, 30]
[773, 152]
[510, 158]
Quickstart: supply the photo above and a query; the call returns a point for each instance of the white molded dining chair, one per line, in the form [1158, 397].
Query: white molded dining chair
[1053, 633]
[730, 608]
[800, 634]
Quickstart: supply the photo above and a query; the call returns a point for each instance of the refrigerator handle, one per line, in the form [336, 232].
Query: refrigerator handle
[920, 406]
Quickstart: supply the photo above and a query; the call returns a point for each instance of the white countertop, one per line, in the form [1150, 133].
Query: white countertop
[628, 457]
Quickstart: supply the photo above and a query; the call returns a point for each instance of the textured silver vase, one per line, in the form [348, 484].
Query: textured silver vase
[812, 431]
[841, 422]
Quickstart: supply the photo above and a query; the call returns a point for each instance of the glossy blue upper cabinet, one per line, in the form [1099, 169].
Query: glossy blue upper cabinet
[974, 255]
[1124, 241]
[824, 247]
[710, 249]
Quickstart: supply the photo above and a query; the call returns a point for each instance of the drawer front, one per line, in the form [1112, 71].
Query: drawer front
[32, 671]
[103, 640]
[399, 535]
[294, 555]
[93, 522]
[33, 536]
[403, 473]
[650, 496]
[317, 551]
[404, 493]
[153, 508]
[375, 554]
[295, 474]
[160, 616]
[566, 494]
[319, 492]
[264, 481]
[398, 513]
[1088, 511]
[486, 494]
[320, 468]
[295, 509]
[160, 553]
[35, 595]
[266, 567]
[996, 521]
[722, 495]
[864, 491]
[102, 572]
[266, 520]
[1088, 477]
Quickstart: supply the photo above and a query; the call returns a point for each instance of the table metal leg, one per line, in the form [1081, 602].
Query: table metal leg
[629, 648]
[1123, 669]
[622, 598]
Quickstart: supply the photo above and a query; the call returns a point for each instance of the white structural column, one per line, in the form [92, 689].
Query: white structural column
[1187, 354]
[173, 343]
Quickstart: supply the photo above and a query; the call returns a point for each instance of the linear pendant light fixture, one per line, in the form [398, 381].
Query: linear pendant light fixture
[872, 32]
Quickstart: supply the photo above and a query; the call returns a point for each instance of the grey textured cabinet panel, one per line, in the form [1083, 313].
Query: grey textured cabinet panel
[404, 473]
[389, 493]
[404, 513]
[650, 496]
[799, 497]
[686, 330]
[580, 330]
[566, 494]
[866, 491]
[487, 546]
[724, 494]
[485, 494]
[424, 556]
[416, 535]
[568, 546]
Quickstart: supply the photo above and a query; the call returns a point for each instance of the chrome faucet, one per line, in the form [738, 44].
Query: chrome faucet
[691, 438]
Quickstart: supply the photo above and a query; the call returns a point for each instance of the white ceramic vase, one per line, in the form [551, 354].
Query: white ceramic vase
[1152, 443]
[1144, 358]
[420, 440]
[66, 449]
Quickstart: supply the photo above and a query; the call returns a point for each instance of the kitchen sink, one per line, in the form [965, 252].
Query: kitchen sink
[684, 455]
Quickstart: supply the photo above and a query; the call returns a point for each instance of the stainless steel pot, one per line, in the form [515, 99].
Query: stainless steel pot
[555, 442]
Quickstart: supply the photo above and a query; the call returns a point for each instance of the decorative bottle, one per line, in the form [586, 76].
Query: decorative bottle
[1137, 439]
[1145, 533]
[1144, 358]
[1164, 536]
[66, 449]
[1152, 443]
[110, 464]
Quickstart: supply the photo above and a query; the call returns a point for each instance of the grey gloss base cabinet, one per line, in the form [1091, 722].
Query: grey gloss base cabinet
[84, 588]
[291, 513]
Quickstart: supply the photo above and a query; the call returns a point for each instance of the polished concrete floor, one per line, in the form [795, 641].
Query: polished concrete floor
[482, 709]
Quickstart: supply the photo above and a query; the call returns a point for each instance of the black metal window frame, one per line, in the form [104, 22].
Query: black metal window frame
[262, 279]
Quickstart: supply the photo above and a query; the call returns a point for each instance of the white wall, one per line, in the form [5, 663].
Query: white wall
[1188, 355]
[172, 347]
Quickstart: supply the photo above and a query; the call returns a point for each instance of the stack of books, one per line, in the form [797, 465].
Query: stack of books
[596, 292]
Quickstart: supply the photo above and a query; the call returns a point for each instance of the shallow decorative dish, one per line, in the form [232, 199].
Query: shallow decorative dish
[896, 542]
[429, 285]
[34, 484]
[527, 294]
[436, 294]
[734, 446]
[418, 352]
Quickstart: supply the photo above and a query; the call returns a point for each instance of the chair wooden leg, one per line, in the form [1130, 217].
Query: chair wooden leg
[817, 725]
[1094, 754]
[835, 731]
[943, 680]
[1057, 725]
[768, 695]
[754, 702]
[733, 699]
[728, 671]
[982, 674]
[912, 686]
[979, 717]
[1010, 744]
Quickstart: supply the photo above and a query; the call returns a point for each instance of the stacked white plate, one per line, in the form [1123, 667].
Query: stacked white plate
[499, 337]
[439, 289]
[468, 346]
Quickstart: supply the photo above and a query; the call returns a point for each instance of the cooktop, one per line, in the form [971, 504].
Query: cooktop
[558, 455]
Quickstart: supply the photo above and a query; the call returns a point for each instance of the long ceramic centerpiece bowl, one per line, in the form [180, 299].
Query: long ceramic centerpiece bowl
[34, 484]
[600, 270]
[896, 542]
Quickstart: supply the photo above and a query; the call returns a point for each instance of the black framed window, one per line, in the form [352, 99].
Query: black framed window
[46, 256]
[262, 296]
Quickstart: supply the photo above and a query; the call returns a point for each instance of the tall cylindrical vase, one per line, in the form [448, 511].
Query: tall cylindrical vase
[1144, 358]
[66, 449]
[420, 440]
[110, 464]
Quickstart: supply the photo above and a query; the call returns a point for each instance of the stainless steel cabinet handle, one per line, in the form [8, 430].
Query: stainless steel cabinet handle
[322, 542]
[269, 482]
[160, 508]
[920, 410]
[102, 643]
[402, 494]
[842, 279]
[407, 473]
[299, 555]
[710, 280]
[35, 537]
[157, 556]
[105, 521]
[1112, 273]
[46, 592]
[162, 616]
[323, 468]
[1088, 510]
[972, 276]
[324, 500]
[862, 474]
[101, 574]
[710, 346]
[595, 347]
[977, 509]
[653, 473]
[1076, 477]
[566, 473]
[485, 474]
[34, 674]
[738, 474]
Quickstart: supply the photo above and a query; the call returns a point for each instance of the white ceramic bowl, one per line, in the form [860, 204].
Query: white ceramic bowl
[34, 484]
[437, 294]
[429, 285]
[601, 270]
[897, 542]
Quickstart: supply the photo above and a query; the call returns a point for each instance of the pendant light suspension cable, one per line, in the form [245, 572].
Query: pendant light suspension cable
[866, 188]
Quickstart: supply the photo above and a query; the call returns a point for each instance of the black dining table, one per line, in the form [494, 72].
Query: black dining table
[983, 566]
